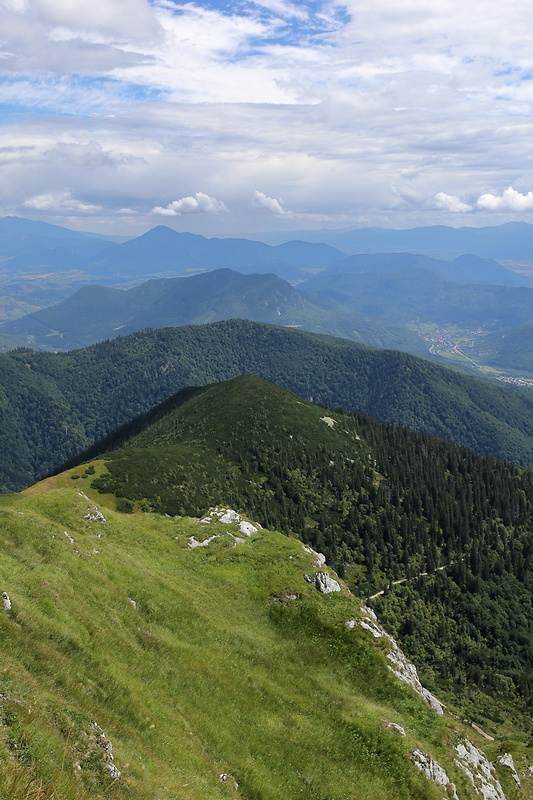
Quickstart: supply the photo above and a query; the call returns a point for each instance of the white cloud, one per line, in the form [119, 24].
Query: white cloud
[260, 200]
[60, 203]
[199, 204]
[509, 200]
[448, 202]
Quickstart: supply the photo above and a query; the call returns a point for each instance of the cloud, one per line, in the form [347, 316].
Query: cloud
[509, 200]
[284, 9]
[199, 204]
[59, 203]
[448, 202]
[260, 200]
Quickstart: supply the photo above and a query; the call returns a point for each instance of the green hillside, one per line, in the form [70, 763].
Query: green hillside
[96, 313]
[52, 405]
[385, 505]
[510, 350]
[193, 668]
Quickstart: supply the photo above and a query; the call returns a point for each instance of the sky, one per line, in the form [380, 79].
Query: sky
[229, 118]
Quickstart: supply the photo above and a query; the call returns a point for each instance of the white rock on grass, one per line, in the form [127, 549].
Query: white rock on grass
[95, 516]
[194, 543]
[320, 558]
[397, 728]
[506, 760]
[7, 601]
[246, 528]
[479, 770]
[229, 516]
[433, 771]
[400, 664]
[323, 582]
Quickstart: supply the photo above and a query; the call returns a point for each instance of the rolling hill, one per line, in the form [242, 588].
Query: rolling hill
[53, 405]
[95, 313]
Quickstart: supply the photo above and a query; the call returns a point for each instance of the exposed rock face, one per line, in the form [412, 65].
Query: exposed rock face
[480, 771]
[433, 771]
[400, 664]
[323, 582]
[7, 601]
[320, 558]
[507, 761]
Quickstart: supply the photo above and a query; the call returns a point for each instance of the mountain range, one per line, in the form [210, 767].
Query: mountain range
[55, 404]
[512, 241]
[95, 313]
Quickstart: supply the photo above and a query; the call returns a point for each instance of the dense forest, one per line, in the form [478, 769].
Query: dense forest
[52, 405]
[383, 503]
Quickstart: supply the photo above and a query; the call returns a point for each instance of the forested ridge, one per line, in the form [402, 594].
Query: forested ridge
[52, 405]
[383, 503]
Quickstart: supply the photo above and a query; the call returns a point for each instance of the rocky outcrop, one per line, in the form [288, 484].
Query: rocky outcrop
[95, 515]
[506, 760]
[323, 582]
[320, 558]
[103, 742]
[433, 771]
[246, 528]
[479, 770]
[400, 664]
[195, 543]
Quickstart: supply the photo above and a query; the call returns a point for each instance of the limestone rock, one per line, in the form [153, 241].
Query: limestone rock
[103, 742]
[506, 760]
[226, 778]
[479, 770]
[395, 727]
[195, 543]
[320, 558]
[400, 664]
[229, 516]
[7, 601]
[95, 516]
[246, 528]
[432, 770]
[323, 582]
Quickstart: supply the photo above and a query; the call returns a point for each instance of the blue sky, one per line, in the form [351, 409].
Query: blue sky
[225, 118]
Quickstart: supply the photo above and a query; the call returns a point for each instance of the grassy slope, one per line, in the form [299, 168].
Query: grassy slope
[211, 673]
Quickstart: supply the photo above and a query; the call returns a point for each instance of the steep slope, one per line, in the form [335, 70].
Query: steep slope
[95, 313]
[52, 405]
[136, 666]
[448, 531]
[511, 349]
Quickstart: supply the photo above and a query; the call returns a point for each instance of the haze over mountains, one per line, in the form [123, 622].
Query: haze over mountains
[512, 241]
